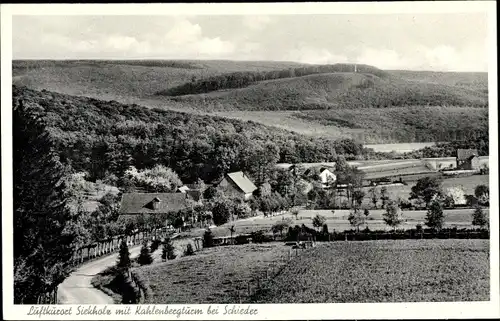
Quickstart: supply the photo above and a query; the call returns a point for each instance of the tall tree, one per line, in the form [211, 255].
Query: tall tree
[426, 190]
[44, 233]
[393, 215]
[435, 217]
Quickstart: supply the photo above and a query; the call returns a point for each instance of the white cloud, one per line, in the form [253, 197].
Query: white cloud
[314, 56]
[256, 22]
[384, 59]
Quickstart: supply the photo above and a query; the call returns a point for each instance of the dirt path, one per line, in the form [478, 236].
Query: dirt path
[77, 289]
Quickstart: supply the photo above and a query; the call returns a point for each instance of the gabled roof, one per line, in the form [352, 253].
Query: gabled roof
[329, 165]
[242, 181]
[463, 154]
[183, 189]
[138, 203]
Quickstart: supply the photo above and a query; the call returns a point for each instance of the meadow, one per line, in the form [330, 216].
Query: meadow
[384, 271]
[214, 275]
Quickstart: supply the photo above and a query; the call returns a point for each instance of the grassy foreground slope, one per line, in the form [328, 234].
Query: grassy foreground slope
[215, 275]
[385, 271]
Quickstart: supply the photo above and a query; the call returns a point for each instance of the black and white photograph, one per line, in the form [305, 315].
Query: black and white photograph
[219, 160]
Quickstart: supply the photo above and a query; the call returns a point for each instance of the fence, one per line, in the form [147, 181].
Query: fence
[100, 248]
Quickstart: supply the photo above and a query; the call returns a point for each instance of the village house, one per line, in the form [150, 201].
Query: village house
[467, 159]
[237, 184]
[136, 204]
[324, 176]
[191, 191]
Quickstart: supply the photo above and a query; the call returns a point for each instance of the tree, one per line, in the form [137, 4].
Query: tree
[231, 231]
[356, 218]
[210, 193]
[455, 195]
[482, 193]
[384, 197]
[208, 239]
[222, 211]
[124, 261]
[435, 217]
[280, 226]
[358, 196]
[318, 221]
[156, 180]
[374, 196]
[478, 217]
[426, 189]
[145, 257]
[393, 215]
[168, 251]
[45, 229]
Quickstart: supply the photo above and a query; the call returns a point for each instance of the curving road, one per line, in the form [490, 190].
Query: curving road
[77, 289]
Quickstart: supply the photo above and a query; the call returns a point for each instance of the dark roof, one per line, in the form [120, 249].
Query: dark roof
[194, 194]
[242, 181]
[137, 203]
[463, 154]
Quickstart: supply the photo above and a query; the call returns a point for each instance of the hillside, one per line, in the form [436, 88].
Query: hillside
[337, 91]
[286, 103]
[104, 138]
[409, 124]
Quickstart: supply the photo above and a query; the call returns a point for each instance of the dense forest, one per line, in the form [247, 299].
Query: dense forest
[105, 138]
[244, 79]
[479, 141]
[336, 91]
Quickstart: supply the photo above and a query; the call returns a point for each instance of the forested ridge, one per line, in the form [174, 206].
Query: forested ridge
[320, 90]
[246, 78]
[105, 138]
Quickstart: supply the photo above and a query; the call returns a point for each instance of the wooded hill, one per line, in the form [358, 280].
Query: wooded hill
[321, 87]
[104, 138]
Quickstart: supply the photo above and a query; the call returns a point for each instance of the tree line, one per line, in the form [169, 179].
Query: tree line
[244, 79]
[104, 139]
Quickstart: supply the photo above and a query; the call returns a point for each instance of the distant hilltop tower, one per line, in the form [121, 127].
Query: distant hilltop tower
[355, 68]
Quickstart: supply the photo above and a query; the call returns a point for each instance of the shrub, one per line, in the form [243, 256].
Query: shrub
[258, 237]
[479, 217]
[168, 252]
[189, 250]
[155, 245]
[145, 257]
[208, 239]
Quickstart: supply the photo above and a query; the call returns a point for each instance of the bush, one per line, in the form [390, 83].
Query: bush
[189, 250]
[241, 239]
[155, 245]
[479, 217]
[208, 239]
[168, 252]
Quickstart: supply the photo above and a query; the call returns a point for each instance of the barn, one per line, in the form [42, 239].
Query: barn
[237, 184]
[467, 159]
[134, 205]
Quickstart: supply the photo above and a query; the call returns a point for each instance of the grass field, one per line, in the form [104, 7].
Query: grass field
[380, 271]
[213, 275]
[385, 271]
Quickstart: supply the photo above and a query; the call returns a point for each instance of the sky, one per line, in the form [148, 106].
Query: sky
[439, 42]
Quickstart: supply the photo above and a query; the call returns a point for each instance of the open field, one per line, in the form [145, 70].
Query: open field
[213, 275]
[400, 148]
[337, 221]
[385, 271]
